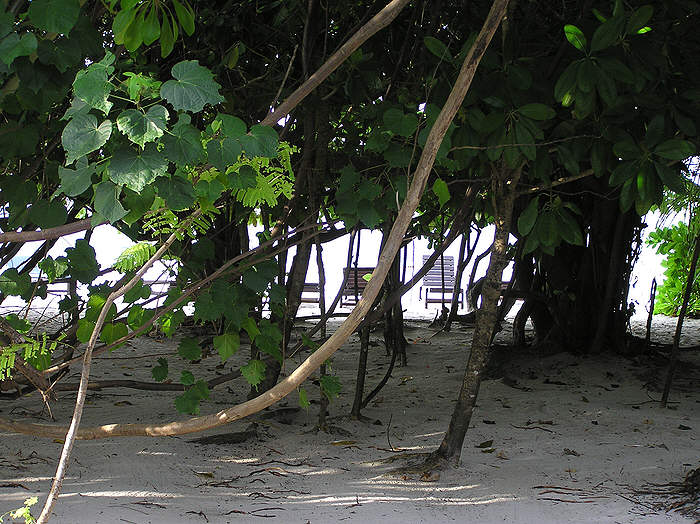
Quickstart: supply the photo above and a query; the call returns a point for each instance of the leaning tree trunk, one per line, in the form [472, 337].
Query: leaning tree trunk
[504, 182]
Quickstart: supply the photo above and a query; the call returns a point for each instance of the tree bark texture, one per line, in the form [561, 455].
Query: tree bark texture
[504, 183]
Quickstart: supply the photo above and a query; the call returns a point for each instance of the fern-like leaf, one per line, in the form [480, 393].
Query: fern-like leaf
[134, 257]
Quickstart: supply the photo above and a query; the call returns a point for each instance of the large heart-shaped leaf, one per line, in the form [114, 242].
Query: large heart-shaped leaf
[193, 87]
[223, 153]
[47, 214]
[136, 169]
[14, 283]
[227, 344]
[82, 260]
[107, 201]
[54, 16]
[183, 145]
[92, 86]
[13, 46]
[141, 128]
[83, 135]
[176, 191]
[75, 181]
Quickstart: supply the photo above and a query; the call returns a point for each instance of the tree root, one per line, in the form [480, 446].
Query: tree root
[427, 471]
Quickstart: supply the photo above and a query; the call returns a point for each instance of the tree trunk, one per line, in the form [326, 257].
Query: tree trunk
[361, 373]
[504, 184]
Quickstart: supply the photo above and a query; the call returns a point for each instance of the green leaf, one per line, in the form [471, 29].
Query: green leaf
[526, 140]
[304, 399]
[567, 81]
[261, 142]
[639, 18]
[138, 316]
[75, 182]
[254, 372]
[133, 36]
[397, 156]
[627, 150]
[15, 284]
[176, 191]
[13, 46]
[586, 76]
[607, 33]
[169, 322]
[141, 128]
[134, 257]
[20, 324]
[189, 349]
[675, 149]
[150, 29]
[269, 339]
[121, 23]
[83, 135]
[527, 218]
[83, 263]
[138, 292]
[569, 229]
[136, 169]
[54, 16]
[140, 85]
[547, 231]
[399, 123]
[94, 306]
[227, 345]
[623, 172]
[92, 86]
[617, 70]
[537, 111]
[606, 88]
[575, 37]
[160, 372]
[189, 401]
[54, 269]
[137, 203]
[185, 16]
[671, 178]
[167, 37]
[655, 130]
[628, 194]
[441, 191]
[47, 214]
[224, 153]
[330, 386]
[183, 145]
[186, 378]
[437, 48]
[229, 126]
[206, 309]
[113, 331]
[193, 87]
[85, 329]
[107, 201]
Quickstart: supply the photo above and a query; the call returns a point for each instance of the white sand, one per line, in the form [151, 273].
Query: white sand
[577, 454]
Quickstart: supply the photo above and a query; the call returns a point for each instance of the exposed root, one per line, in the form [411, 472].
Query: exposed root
[427, 471]
[683, 497]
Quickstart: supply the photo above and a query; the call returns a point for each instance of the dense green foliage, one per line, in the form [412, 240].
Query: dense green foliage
[141, 113]
[676, 244]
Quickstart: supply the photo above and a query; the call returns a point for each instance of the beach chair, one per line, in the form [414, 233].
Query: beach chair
[311, 293]
[439, 282]
[355, 285]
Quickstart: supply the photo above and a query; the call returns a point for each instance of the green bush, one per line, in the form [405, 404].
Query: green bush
[676, 244]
